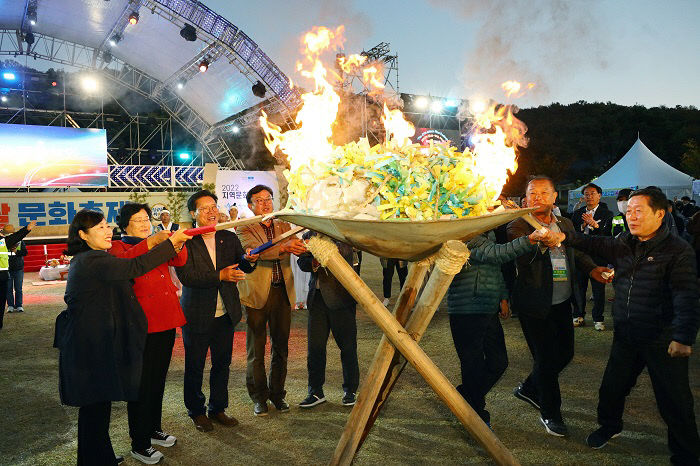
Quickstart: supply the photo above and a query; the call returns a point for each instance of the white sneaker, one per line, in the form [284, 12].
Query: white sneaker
[385, 302]
[19, 309]
[148, 456]
[578, 322]
[600, 326]
[10, 309]
[161, 438]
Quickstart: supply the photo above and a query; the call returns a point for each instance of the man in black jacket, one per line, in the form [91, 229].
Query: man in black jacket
[594, 218]
[656, 316]
[542, 297]
[331, 308]
[215, 262]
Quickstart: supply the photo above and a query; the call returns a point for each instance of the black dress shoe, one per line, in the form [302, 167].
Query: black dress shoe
[281, 405]
[260, 409]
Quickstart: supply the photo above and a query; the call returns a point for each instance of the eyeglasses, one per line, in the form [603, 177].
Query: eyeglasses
[263, 200]
[209, 208]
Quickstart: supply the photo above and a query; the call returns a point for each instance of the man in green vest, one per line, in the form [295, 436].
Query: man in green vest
[6, 243]
[619, 222]
[14, 286]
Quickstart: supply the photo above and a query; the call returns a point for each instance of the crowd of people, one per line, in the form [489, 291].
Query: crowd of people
[125, 299]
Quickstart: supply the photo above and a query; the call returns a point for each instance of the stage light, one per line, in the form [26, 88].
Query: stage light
[114, 40]
[235, 129]
[89, 84]
[188, 32]
[134, 18]
[31, 16]
[3, 98]
[203, 65]
[52, 77]
[259, 89]
[29, 38]
[180, 84]
[184, 156]
[436, 106]
[421, 102]
[452, 103]
[106, 57]
[9, 76]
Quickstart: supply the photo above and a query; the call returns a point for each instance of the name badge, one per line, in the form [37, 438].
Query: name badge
[559, 271]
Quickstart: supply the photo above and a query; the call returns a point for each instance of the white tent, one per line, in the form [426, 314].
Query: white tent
[637, 169]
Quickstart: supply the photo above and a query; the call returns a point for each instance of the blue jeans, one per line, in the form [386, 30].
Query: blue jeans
[15, 283]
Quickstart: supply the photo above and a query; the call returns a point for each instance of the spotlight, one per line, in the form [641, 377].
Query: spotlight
[52, 77]
[106, 57]
[9, 76]
[235, 129]
[134, 18]
[29, 38]
[114, 40]
[203, 65]
[259, 89]
[421, 102]
[436, 106]
[89, 84]
[31, 16]
[452, 103]
[189, 33]
[181, 83]
[184, 156]
[3, 98]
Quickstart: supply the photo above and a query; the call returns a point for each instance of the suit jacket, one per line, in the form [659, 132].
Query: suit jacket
[173, 227]
[532, 291]
[323, 281]
[255, 289]
[201, 284]
[602, 215]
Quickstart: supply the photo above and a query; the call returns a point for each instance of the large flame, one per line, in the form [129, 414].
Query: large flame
[310, 152]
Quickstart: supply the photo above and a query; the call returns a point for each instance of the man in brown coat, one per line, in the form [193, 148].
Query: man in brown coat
[267, 295]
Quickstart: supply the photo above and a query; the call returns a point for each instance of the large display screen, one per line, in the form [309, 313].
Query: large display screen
[52, 156]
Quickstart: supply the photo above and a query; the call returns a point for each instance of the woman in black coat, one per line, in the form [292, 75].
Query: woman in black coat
[102, 332]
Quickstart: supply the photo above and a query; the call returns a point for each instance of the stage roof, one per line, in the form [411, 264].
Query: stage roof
[154, 47]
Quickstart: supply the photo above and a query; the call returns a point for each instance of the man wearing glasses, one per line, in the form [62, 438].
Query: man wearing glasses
[267, 295]
[215, 262]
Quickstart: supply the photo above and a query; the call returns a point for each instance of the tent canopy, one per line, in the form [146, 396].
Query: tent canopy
[639, 167]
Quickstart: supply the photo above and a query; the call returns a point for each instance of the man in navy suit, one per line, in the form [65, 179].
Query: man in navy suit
[215, 262]
[595, 219]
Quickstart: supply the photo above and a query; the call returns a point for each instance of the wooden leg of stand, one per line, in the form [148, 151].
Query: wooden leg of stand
[350, 439]
[326, 252]
[417, 324]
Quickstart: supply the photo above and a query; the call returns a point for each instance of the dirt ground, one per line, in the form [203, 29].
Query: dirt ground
[414, 428]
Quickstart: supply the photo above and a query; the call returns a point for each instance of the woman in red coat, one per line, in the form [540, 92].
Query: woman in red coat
[157, 295]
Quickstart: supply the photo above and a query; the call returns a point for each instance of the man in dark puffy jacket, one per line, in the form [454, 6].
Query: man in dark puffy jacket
[656, 316]
[477, 295]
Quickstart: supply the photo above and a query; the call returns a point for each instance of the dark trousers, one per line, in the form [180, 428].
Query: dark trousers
[14, 288]
[3, 294]
[94, 445]
[219, 340]
[669, 379]
[551, 342]
[598, 290]
[341, 322]
[277, 313]
[481, 347]
[388, 275]
[145, 414]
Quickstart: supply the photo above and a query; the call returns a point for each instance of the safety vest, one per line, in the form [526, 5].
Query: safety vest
[4, 255]
[618, 225]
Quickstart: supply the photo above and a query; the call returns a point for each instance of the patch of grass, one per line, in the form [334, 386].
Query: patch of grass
[414, 428]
